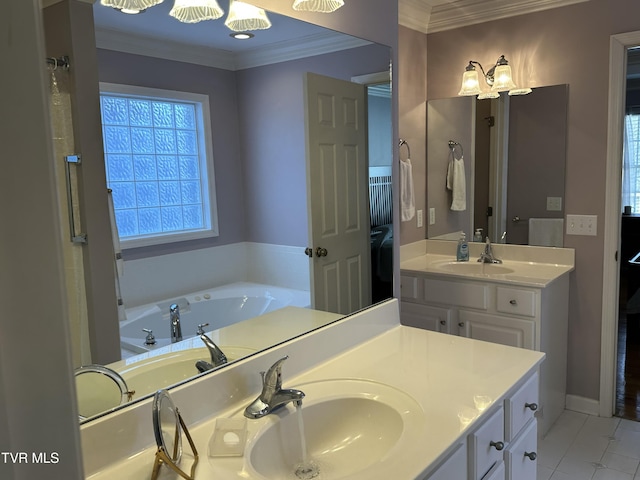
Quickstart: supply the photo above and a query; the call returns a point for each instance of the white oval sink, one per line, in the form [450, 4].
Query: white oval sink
[350, 427]
[147, 376]
[475, 268]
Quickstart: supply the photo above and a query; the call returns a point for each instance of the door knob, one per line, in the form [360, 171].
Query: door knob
[308, 252]
[321, 252]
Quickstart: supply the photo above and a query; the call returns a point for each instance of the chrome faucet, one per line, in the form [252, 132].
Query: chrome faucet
[174, 320]
[217, 356]
[487, 255]
[273, 395]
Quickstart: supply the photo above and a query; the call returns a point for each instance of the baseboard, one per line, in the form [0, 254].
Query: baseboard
[579, 404]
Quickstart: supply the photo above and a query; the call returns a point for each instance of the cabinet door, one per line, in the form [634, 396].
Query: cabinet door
[515, 332]
[455, 467]
[486, 445]
[496, 473]
[521, 407]
[427, 317]
[521, 455]
[410, 287]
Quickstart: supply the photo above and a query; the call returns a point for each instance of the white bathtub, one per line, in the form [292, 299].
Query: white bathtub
[219, 307]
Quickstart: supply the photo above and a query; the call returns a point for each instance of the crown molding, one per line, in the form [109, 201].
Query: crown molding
[429, 16]
[211, 57]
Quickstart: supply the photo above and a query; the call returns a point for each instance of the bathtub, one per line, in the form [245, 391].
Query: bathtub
[219, 307]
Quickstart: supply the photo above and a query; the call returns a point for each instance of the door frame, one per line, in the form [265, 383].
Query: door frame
[618, 46]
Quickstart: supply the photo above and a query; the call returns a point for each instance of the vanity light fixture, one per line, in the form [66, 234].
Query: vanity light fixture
[244, 17]
[498, 77]
[194, 11]
[131, 7]
[322, 6]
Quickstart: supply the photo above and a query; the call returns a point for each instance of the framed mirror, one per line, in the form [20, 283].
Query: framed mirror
[249, 287]
[515, 155]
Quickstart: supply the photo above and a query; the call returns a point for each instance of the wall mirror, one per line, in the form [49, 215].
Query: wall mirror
[515, 153]
[257, 100]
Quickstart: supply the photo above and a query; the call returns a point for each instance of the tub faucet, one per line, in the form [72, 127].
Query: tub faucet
[273, 395]
[217, 356]
[487, 255]
[174, 321]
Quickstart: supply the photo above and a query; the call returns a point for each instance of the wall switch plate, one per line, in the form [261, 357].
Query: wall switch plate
[419, 218]
[582, 225]
[554, 204]
[432, 216]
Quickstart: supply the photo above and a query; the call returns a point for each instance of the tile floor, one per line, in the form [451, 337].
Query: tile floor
[584, 447]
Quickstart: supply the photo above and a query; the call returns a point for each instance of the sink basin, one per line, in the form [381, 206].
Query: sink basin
[475, 268]
[147, 376]
[350, 428]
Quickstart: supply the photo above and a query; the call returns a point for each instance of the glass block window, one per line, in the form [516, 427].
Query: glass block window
[157, 150]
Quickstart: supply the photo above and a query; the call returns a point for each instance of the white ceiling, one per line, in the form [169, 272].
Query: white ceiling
[155, 33]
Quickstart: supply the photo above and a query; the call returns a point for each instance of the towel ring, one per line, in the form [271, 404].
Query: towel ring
[453, 145]
[404, 142]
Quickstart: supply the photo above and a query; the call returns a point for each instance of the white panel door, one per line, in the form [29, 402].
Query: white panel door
[338, 202]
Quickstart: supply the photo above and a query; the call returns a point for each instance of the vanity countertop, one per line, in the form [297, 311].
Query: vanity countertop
[521, 265]
[442, 373]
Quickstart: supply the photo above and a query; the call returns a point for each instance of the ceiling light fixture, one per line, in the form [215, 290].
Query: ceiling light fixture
[498, 77]
[245, 17]
[131, 7]
[194, 11]
[322, 6]
[241, 35]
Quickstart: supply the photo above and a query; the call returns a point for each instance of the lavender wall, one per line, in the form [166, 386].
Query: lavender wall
[563, 45]
[271, 105]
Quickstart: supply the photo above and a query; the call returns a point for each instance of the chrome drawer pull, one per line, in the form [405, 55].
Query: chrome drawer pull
[497, 445]
[532, 455]
[532, 406]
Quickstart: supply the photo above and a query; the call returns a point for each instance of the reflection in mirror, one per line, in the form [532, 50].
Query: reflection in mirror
[249, 287]
[99, 389]
[167, 428]
[515, 171]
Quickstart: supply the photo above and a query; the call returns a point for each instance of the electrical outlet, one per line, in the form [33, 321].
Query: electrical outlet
[554, 204]
[419, 218]
[582, 225]
[432, 216]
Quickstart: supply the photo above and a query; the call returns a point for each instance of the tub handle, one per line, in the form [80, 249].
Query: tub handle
[200, 330]
[150, 340]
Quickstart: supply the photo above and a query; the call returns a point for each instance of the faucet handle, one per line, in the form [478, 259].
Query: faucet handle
[273, 377]
[201, 326]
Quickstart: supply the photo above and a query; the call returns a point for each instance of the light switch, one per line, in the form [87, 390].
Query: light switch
[554, 204]
[582, 225]
[419, 219]
[432, 216]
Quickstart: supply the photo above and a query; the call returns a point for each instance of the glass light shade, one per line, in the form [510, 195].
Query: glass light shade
[322, 6]
[502, 79]
[520, 91]
[130, 6]
[486, 95]
[245, 17]
[194, 11]
[470, 83]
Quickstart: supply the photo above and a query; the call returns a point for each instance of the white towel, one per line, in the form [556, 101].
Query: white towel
[456, 182]
[546, 232]
[407, 198]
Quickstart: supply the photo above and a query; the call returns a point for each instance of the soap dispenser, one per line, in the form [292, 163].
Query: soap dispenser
[477, 237]
[462, 253]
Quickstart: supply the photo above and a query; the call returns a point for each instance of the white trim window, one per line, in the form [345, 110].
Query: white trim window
[159, 164]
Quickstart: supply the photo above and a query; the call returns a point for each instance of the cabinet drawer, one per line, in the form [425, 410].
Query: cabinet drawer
[409, 287]
[486, 445]
[520, 457]
[515, 301]
[437, 319]
[521, 407]
[472, 295]
[514, 332]
[496, 473]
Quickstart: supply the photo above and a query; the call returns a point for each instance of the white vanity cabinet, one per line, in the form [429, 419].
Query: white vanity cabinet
[503, 446]
[510, 313]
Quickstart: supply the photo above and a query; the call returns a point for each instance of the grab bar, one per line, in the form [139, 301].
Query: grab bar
[76, 238]
[517, 219]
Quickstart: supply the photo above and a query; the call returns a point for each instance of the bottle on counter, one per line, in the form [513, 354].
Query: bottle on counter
[462, 253]
[477, 237]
